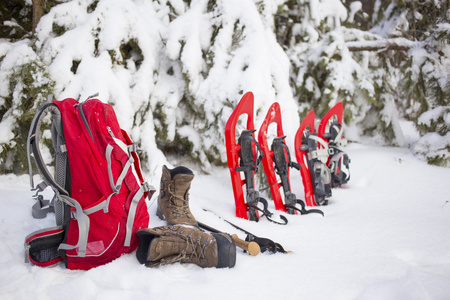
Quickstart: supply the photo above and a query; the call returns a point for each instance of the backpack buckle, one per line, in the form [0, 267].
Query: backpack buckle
[133, 148]
[39, 188]
[148, 188]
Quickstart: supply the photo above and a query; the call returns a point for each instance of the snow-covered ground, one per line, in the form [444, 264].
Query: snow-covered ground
[384, 236]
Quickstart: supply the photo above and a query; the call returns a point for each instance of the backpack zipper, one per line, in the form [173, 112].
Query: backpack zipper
[111, 133]
[83, 117]
[27, 253]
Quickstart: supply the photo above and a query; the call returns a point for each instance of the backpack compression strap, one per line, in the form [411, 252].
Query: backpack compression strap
[145, 187]
[83, 225]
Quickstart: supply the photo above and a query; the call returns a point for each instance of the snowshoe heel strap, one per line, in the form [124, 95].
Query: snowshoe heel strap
[303, 210]
[265, 212]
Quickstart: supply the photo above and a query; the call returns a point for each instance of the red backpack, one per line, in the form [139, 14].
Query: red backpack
[99, 191]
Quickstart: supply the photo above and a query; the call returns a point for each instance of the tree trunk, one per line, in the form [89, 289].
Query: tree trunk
[38, 12]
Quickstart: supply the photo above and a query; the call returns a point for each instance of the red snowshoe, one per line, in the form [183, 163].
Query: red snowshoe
[273, 116]
[312, 154]
[277, 160]
[245, 156]
[245, 106]
[331, 130]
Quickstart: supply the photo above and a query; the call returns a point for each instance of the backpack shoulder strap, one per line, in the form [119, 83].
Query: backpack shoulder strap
[33, 145]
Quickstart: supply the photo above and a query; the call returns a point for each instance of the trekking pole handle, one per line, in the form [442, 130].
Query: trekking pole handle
[251, 247]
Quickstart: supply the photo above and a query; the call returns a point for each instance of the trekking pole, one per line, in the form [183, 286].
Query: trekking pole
[264, 244]
[251, 247]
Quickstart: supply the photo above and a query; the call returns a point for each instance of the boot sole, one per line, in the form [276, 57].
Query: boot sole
[226, 248]
[144, 242]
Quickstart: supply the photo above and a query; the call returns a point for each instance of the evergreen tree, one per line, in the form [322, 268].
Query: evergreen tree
[176, 69]
[385, 60]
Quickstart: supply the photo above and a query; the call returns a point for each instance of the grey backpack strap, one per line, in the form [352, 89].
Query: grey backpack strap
[33, 143]
[42, 207]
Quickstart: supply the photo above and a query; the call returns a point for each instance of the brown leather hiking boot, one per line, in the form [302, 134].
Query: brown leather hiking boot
[169, 244]
[173, 199]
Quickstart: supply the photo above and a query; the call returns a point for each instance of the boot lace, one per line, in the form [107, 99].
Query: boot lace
[197, 254]
[199, 248]
[178, 210]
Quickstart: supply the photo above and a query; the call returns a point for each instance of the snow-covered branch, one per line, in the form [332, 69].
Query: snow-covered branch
[385, 44]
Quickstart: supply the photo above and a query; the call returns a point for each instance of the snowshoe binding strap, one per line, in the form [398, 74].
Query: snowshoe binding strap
[282, 160]
[337, 140]
[312, 154]
[339, 168]
[319, 172]
[332, 131]
[282, 156]
[265, 212]
[339, 161]
[303, 210]
[248, 163]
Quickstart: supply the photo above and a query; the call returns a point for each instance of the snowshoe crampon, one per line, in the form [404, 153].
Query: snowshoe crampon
[244, 156]
[312, 154]
[331, 130]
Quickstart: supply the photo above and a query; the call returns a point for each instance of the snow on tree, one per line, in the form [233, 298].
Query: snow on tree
[433, 123]
[390, 72]
[174, 70]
